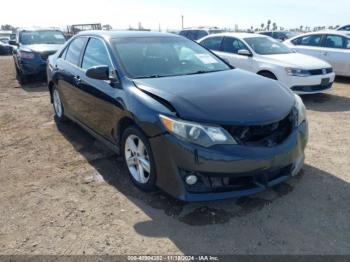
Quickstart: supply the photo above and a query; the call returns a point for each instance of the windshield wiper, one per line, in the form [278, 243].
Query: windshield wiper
[150, 76]
[202, 72]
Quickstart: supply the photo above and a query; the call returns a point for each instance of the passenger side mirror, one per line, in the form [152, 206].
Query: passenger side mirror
[244, 52]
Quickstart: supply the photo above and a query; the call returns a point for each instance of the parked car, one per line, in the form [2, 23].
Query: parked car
[331, 46]
[279, 35]
[344, 28]
[268, 57]
[33, 47]
[183, 119]
[5, 47]
[195, 34]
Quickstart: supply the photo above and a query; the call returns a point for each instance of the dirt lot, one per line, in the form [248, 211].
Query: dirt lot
[62, 192]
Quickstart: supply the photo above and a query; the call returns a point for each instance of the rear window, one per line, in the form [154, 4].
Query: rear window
[309, 40]
[212, 43]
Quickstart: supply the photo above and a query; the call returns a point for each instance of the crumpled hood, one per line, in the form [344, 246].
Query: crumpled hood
[298, 61]
[41, 48]
[226, 97]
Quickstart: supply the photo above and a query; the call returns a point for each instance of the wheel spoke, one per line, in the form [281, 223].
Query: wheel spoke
[140, 148]
[131, 144]
[145, 164]
[141, 173]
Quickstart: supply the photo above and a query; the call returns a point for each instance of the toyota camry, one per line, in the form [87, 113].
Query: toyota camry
[183, 119]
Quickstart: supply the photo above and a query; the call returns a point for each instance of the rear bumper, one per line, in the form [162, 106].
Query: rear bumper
[225, 171]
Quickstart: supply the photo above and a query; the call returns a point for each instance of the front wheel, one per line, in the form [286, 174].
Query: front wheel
[139, 159]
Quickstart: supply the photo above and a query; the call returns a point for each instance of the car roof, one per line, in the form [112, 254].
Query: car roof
[333, 32]
[121, 34]
[37, 29]
[238, 35]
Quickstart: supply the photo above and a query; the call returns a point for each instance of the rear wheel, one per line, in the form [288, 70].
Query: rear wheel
[268, 75]
[57, 105]
[139, 159]
[21, 77]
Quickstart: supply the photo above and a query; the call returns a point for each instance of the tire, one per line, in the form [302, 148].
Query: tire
[21, 77]
[57, 105]
[268, 75]
[139, 159]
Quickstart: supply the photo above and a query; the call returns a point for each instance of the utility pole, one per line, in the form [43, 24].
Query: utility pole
[182, 21]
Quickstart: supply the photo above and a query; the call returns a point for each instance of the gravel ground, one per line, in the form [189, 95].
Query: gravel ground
[62, 192]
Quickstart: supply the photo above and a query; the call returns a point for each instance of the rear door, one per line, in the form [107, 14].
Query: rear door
[229, 51]
[69, 76]
[336, 52]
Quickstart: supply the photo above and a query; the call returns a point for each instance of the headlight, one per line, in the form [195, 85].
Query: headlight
[26, 55]
[197, 133]
[299, 105]
[297, 72]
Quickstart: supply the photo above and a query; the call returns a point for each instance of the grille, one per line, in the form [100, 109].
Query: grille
[264, 135]
[321, 71]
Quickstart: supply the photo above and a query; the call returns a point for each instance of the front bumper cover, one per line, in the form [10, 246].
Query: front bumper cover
[243, 170]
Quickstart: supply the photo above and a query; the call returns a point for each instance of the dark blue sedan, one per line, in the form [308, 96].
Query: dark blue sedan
[184, 120]
[32, 48]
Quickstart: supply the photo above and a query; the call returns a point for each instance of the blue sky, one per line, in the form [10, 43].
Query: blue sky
[222, 13]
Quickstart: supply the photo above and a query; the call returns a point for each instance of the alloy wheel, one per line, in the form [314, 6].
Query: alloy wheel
[57, 103]
[137, 159]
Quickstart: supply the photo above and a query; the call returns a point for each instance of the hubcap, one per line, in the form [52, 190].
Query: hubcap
[57, 103]
[137, 159]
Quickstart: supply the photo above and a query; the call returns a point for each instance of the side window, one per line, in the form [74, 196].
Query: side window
[212, 43]
[335, 41]
[266, 33]
[64, 53]
[95, 54]
[74, 50]
[345, 28]
[232, 45]
[183, 33]
[310, 40]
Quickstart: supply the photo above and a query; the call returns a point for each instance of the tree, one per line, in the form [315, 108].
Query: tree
[274, 26]
[8, 27]
[262, 26]
[301, 28]
[268, 24]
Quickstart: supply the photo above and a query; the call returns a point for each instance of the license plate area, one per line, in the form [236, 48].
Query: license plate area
[325, 81]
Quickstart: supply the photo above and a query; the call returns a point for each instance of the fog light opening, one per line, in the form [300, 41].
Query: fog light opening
[191, 180]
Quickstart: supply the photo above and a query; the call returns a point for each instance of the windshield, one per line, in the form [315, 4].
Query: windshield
[144, 57]
[41, 37]
[267, 46]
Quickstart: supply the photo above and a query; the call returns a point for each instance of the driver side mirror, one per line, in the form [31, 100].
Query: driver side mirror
[102, 73]
[244, 52]
[13, 42]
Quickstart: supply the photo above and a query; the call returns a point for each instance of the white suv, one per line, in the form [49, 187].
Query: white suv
[270, 58]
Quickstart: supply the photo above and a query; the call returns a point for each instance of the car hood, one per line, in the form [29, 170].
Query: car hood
[226, 97]
[40, 48]
[298, 60]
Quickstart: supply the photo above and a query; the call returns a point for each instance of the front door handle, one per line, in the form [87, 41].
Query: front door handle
[77, 80]
[324, 53]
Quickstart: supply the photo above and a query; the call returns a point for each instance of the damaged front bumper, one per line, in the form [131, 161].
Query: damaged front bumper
[225, 171]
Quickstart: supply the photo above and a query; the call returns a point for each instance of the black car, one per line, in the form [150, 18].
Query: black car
[184, 120]
[33, 47]
[279, 35]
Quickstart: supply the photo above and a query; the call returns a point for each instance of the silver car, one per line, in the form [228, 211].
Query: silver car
[331, 46]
